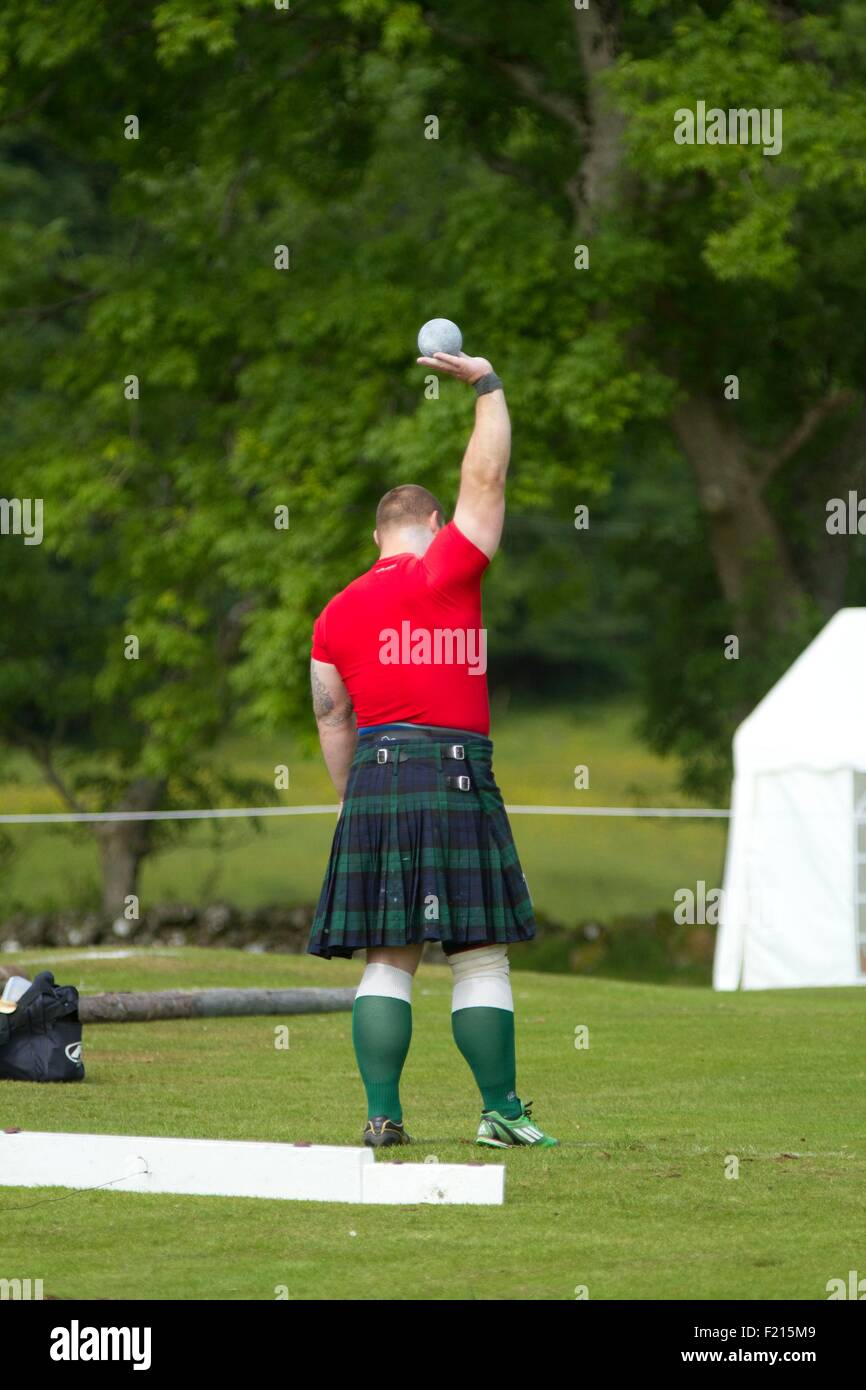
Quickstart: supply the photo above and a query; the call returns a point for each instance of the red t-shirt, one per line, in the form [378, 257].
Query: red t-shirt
[407, 640]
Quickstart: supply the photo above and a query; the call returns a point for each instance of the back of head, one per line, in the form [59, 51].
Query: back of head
[406, 508]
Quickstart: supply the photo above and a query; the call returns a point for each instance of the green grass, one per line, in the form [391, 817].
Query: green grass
[634, 1204]
[577, 868]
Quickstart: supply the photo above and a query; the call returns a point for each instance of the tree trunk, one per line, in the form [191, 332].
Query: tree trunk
[595, 189]
[747, 546]
[752, 560]
[124, 844]
[825, 565]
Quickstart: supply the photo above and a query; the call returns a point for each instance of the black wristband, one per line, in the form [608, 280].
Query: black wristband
[490, 382]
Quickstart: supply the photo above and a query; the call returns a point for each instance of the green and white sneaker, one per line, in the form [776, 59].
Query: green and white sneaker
[495, 1132]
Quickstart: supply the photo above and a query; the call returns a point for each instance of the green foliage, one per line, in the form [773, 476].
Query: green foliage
[262, 388]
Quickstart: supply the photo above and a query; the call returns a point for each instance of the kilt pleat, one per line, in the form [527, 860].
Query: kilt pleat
[415, 860]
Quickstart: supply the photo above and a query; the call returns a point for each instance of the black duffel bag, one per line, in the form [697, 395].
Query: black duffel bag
[41, 1040]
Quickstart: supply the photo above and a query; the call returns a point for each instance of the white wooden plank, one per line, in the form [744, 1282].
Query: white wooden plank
[440, 1184]
[201, 1167]
[240, 1168]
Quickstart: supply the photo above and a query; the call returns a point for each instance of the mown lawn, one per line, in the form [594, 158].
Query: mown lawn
[635, 1203]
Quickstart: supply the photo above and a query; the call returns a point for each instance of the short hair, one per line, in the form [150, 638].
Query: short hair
[407, 505]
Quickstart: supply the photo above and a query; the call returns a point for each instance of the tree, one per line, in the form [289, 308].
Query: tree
[259, 258]
[707, 262]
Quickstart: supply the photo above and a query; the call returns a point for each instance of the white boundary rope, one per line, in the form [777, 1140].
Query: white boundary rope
[679, 812]
[231, 813]
[239, 812]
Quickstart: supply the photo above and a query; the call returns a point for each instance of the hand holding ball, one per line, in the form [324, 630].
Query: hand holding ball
[443, 336]
[439, 335]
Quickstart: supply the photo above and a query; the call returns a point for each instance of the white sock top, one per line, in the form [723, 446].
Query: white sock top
[386, 981]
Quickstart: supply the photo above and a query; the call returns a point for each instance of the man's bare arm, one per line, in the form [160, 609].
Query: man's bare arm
[480, 511]
[335, 717]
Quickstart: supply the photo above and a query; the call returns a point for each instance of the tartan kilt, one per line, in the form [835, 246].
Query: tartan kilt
[415, 860]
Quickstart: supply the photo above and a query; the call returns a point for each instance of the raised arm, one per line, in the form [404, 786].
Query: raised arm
[480, 510]
[338, 729]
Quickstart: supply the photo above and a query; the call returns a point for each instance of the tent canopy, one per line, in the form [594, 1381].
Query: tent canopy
[815, 716]
[794, 908]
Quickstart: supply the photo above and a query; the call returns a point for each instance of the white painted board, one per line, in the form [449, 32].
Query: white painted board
[440, 1184]
[201, 1167]
[240, 1168]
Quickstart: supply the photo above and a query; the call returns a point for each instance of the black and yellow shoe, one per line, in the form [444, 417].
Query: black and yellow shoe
[380, 1133]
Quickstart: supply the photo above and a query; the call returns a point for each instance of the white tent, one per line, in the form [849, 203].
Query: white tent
[794, 903]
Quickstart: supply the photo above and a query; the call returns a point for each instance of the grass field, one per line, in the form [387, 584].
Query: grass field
[635, 1204]
[577, 868]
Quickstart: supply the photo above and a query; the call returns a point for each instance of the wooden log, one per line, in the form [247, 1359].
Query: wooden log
[141, 1007]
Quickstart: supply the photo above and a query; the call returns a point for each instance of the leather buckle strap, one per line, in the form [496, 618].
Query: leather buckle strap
[454, 752]
[460, 784]
[391, 755]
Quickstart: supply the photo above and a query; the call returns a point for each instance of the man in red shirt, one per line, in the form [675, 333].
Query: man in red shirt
[423, 850]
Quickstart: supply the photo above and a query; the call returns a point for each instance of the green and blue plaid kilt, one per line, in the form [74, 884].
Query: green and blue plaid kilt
[414, 859]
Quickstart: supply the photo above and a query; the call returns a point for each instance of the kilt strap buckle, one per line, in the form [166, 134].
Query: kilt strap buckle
[455, 752]
[391, 755]
[460, 784]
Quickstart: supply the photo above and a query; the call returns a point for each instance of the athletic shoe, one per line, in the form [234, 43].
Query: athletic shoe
[495, 1132]
[381, 1132]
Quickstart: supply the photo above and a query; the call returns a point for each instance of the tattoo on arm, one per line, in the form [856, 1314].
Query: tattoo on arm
[323, 704]
[341, 717]
[322, 701]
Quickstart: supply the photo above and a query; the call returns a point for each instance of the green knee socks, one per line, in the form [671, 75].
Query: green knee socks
[486, 1039]
[381, 1032]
